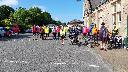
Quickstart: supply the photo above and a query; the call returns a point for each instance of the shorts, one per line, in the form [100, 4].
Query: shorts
[62, 37]
[37, 33]
[84, 34]
[103, 39]
[34, 33]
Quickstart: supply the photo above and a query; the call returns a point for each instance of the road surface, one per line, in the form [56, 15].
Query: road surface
[22, 54]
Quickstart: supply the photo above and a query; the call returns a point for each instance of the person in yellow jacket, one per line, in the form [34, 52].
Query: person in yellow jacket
[62, 34]
[115, 31]
[65, 30]
[46, 29]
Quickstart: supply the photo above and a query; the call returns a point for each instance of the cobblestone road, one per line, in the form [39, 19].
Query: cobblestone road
[22, 54]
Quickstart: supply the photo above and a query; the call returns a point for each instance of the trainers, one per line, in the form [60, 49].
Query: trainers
[101, 48]
[105, 49]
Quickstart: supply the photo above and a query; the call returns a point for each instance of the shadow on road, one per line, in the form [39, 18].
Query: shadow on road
[20, 36]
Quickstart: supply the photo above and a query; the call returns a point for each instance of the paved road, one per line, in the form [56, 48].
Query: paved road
[22, 54]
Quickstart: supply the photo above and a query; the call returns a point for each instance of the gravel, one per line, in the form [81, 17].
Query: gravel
[23, 54]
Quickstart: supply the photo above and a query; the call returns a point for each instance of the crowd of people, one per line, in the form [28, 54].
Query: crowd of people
[78, 35]
[44, 32]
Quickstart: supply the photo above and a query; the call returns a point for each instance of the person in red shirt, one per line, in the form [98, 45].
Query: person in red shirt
[17, 29]
[58, 31]
[34, 30]
[14, 30]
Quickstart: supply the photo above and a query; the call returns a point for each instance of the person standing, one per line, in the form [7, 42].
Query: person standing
[50, 30]
[115, 31]
[54, 32]
[103, 36]
[38, 30]
[42, 32]
[85, 33]
[46, 32]
[34, 31]
[62, 34]
[58, 31]
[66, 30]
[95, 34]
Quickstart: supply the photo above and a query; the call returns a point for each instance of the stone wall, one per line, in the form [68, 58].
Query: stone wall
[106, 12]
[124, 17]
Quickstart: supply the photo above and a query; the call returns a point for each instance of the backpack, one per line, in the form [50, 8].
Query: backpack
[103, 32]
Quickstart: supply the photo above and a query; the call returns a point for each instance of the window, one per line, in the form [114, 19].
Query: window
[114, 8]
[119, 21]
[118, 6]
[119, 17]
[113, 20]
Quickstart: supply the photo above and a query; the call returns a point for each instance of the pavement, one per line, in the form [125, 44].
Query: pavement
[23, 54]
[118, 58]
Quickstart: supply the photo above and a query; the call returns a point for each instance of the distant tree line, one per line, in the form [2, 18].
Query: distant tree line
[25, 17]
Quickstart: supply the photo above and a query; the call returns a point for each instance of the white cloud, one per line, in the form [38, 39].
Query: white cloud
[56, 18]
[41, 7]
[9, 2]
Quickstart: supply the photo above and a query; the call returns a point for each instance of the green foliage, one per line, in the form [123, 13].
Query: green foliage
[25, 18]
[35, 14]
[21, 16]
[5, 12]
[6, 22]
[46, 18]
[58, 23]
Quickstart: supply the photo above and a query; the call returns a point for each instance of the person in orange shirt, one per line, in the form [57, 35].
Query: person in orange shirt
[95, 34]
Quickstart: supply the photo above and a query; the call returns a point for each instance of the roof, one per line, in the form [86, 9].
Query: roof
[51, 25]
[75, 21]
[96, 3]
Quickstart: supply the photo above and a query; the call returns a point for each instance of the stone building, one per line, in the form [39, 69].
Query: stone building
[75, 22]
[110, 12]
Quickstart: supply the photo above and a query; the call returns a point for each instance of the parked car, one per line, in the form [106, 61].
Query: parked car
[2, 32]
[28, 31]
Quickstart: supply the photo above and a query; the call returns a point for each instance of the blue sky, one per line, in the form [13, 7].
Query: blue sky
[64, 10]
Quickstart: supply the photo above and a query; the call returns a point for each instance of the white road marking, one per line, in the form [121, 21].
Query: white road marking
[14, 40]
[15, 61]
[93, 66]
[60, 63]
[11, 61]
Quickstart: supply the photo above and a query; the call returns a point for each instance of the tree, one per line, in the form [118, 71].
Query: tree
[5, 12]
[58, 23]
[46, 18]
[53, 21]
[6, 22]
[35, 15]
[21, 17]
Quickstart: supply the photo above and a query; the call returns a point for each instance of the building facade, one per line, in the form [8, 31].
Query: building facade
[111, 12]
